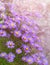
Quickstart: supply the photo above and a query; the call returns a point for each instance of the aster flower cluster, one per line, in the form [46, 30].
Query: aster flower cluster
[9, 57]
[24, 29]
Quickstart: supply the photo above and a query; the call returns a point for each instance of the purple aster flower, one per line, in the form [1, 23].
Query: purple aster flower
[24, 58]
[10, 57]
[26, 48]
[25, 38]
[10, 44]
[3, 54]
[30, 39]
[37, 58]
[3, 26]
[38, 47]
[12, 24]
[32, 33]
[3, 33]
[32, 43]
[43, 58]
[25, 28]
[30, 60]
[17, 19]
[17, 33]
[44, 61]
[36, 38]
[36, 28]
[7, 22]
[18, 51]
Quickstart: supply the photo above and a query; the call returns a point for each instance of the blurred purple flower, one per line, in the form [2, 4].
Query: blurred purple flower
[18, 51]
[24, 38]
[17, 33]
[3, 33]
[38, 47]
[3, 26]
[25, 28]
[30, 39]
[40, 58]
[10, 44]
[26, 48]
[30, 60]
[44, 61]
[3, 54]
[24, 58]
[10, 57]
[12, 24]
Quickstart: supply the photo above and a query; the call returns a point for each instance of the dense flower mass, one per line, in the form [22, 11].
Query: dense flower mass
[22, 36]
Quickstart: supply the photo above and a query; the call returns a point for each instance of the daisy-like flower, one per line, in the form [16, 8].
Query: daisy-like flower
[3, 26]
[25, 38]
[30, 39]
[10, 57]
[26, 48]
[12, 24]
[24, 58]
[30, 60]
[17, 33]
[3, 33]
[10, 44]
[18, 51]
[25, 28]
[3, 54]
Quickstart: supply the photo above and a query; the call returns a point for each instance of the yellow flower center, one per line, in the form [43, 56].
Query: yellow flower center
[17, 33]
[12, 24]
[24, 58]
[24, 38]
[10, 44]
[26, 48]
[3, 26]
[3, 54]
[29, 60]
[18, 50]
